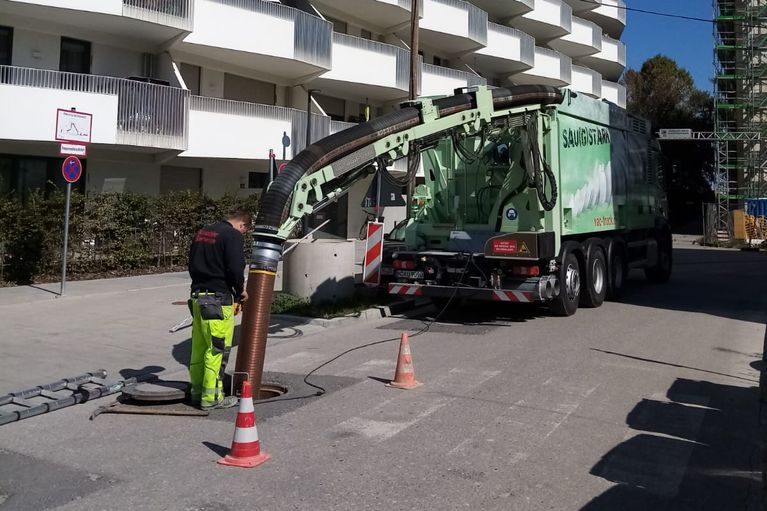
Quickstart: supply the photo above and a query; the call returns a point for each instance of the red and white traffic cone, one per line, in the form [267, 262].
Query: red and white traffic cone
[404, 375]
[246, 449]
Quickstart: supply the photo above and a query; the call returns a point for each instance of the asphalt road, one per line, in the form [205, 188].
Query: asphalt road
[647, 404]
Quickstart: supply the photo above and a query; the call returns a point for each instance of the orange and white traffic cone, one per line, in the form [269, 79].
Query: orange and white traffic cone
[404, 375]
[246, 449]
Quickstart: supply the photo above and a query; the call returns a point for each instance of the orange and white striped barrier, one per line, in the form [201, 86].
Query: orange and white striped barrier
[246, 448]
[404, 375]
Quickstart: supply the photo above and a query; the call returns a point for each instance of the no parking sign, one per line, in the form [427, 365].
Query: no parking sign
[72, 169]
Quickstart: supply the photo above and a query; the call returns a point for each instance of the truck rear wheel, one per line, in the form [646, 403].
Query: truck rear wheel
[566, 302]
[595, 277]
[661, 272]
[617, 270]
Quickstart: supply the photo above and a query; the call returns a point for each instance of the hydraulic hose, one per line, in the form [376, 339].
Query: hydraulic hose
[267, 248]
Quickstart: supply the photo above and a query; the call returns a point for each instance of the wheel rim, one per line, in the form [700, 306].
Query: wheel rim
[572, 282]
[598, 276]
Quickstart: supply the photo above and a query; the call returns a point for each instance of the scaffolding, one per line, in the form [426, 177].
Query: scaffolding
[740, 95]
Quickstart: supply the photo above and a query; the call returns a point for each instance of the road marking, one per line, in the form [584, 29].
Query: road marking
[406, 409]
[295, 362]
[375, 365]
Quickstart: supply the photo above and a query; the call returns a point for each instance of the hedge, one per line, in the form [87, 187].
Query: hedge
[113, 234]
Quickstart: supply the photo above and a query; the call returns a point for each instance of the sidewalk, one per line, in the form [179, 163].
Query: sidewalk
[81, 288]
[121, 325]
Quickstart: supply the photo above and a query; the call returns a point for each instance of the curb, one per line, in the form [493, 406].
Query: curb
[374, 313]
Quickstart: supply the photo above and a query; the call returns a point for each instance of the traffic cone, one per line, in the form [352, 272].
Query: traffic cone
[404, 375]
[246, 449]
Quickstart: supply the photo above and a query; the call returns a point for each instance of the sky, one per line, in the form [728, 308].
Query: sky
[689, 43]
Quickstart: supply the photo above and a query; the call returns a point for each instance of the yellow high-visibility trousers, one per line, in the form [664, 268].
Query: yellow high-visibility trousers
[211, 343]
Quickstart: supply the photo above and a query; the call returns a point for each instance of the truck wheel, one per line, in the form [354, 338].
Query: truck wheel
[595, 277]
[566, 302]
[617, 269]
[661, 272]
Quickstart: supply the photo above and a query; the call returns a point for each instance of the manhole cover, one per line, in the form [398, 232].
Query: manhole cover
[158, 391]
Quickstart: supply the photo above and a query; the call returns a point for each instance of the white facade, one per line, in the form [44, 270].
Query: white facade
[195, 93]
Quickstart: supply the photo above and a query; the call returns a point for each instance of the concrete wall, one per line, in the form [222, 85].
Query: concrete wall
[139, 177]
[105, 6]
[272, 36]
[35, 49]
[30, 113]
[118, 62]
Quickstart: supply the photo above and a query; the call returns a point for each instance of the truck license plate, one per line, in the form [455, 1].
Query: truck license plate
[409, 274]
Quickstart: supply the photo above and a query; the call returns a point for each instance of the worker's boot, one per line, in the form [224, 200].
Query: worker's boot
[227, 402]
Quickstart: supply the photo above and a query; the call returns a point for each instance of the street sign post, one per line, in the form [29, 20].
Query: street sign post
[72, 169]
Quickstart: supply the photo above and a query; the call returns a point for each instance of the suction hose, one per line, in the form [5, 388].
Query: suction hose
[267, 247]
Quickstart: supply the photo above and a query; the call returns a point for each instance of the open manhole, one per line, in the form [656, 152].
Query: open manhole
[270, 391]
[158, 391]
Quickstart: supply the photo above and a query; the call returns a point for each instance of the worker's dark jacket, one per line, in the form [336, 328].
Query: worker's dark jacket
[216, 260]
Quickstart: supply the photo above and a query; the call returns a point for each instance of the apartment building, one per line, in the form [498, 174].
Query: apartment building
[193, 94]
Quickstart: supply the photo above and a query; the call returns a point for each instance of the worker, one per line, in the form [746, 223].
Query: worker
[217, 267]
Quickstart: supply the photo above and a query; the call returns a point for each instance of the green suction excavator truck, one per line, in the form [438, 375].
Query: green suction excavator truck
[527, 194]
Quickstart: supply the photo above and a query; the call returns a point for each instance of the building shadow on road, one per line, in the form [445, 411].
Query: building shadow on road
[726, 283]
[700, 450]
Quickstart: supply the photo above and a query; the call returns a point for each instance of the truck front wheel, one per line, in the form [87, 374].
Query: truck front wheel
[566, 302]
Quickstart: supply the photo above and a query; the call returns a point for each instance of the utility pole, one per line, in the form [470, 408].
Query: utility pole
[412, 160]
[309, 93]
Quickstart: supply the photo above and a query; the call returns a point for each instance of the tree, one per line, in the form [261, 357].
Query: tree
[665, 94]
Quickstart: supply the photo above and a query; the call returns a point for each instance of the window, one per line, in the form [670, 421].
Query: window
[6, 45]
[240, 88]
[366, 34]
[75, 56]
[338, 26]
[179, 179]
[191, 76]
[21, 175]
[257, 179]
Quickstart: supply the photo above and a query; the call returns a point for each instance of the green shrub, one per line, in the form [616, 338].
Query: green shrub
[108, 233]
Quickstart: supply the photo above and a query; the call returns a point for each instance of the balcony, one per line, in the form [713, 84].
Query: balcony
[284, 45]
[508, 51]
[504, 9]
[584, 39]
[385, 15]
[586, 81]
[610, 15]
[610, 61]
[441, 81]
[452, 26]
[151, 21]
[550, 68]
[582, 5]
[222, 128]
[614, 93]
[366, 70]
[549, 20]
[125, 112]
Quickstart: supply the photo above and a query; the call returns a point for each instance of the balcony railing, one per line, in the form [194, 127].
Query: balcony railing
[148, 115]
[297, 118]
[402, 56]
[477, 29]
[454, 74]
[312, 35]
[174, 13]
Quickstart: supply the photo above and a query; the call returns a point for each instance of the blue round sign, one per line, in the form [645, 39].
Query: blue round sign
[72, 169]
[511, 214]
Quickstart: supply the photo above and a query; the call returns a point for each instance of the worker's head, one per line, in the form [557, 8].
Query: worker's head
[240, 220]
